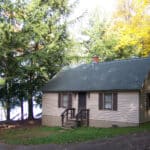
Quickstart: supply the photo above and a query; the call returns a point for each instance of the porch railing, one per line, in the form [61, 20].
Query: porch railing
[67, 114]
[82, 117]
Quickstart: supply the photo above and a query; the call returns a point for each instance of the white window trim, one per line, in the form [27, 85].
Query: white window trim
[61, 100]
[103, 97]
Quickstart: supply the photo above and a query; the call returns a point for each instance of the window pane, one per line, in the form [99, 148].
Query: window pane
[65, 100]
[107, 101]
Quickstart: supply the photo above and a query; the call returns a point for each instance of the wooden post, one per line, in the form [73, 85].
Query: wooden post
[88, 117]
[67, 115]
[62, 120]
[73, 112]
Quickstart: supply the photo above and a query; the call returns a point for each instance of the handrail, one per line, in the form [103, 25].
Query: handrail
[66, 115]
[82, 115]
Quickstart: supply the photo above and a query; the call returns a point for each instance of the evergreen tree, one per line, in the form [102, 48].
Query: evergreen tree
[101, 40]
[44, 31]
[34, 41]
[8, 46]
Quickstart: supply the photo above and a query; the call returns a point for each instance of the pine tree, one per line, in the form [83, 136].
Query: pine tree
[101, 40]
[34, 42]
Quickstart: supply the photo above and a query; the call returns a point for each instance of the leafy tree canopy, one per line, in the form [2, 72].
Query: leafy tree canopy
[132, 23]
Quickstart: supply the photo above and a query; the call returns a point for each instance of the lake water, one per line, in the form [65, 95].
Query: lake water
[16, 112]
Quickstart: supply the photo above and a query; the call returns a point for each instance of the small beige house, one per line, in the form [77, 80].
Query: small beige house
[99, 94]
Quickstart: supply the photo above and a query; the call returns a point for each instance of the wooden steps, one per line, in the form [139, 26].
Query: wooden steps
[70, 120]
[71, 123]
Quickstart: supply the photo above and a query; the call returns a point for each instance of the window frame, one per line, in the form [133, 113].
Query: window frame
[148, 101]
[114, 101]
[104, 103]
[61, 100]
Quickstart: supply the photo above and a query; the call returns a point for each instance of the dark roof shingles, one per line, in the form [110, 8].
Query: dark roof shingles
[115, 75]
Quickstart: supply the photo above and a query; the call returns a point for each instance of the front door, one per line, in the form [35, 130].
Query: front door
[82, 101]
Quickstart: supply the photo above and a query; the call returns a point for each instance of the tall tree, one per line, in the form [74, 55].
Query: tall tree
[44, 31]
[38, 39]
[132, 21]
[8, 44]
[101, 40]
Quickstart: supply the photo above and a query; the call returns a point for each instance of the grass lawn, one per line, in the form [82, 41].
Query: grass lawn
[44, 135]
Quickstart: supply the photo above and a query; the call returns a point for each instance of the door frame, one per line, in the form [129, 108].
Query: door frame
[85, 94]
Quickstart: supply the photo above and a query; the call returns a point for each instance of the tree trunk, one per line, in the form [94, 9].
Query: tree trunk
[7, 102]
[30, 101]
[22, 116]
[30, 108]
[8, 109]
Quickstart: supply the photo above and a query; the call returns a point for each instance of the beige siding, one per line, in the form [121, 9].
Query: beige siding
[144, 114]
[128, 108]
[107, 123]
[50, 111]
[50, 104]
[127, 113]
[51, 120]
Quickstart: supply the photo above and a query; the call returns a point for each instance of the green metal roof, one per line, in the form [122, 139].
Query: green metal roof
[126, 74]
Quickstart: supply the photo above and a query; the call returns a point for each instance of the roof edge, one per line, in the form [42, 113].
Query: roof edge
[116, 90]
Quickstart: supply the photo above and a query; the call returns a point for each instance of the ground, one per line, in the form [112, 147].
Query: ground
[130, 141]
[139, 141]
[19, 124]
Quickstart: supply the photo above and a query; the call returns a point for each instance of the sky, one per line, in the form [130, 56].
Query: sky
[86, 7]
[89, 5]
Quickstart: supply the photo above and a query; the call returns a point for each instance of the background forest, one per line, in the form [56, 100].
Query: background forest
[37, 39]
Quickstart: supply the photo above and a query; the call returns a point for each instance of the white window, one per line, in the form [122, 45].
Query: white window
[65, 100]
[108, 101]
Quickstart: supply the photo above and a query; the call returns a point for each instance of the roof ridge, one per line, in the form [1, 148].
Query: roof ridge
[103, 76]
[103, 62]
[124, 60]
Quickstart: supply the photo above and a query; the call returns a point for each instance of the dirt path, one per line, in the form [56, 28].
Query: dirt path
[140, 141]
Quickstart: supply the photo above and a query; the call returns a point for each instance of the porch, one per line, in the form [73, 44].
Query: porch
[70, 119]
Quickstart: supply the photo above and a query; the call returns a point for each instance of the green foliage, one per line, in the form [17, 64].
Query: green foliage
[2, 81]
[8, 45]
[124, 35]
[45, 135]
[45, 32]
[131, 22]
[101, 40]
[33, 44]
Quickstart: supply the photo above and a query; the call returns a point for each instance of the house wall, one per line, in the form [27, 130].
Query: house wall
[51, 114]
[126, 115]
[144, 113]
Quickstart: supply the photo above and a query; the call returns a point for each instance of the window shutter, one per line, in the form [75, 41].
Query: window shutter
[115, 101]
[70, 100]
[59, 100]
[100, 101]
